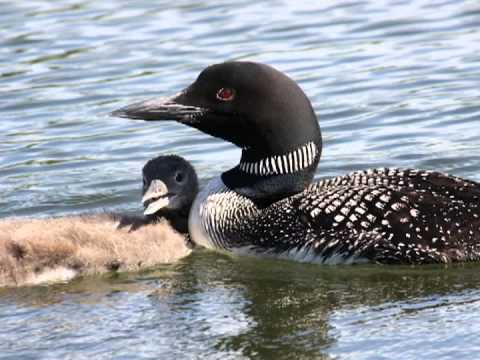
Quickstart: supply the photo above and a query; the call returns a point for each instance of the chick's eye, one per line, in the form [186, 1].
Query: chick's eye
[226, 94]
[179, 177]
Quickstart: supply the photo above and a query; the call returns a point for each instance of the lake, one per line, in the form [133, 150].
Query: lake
[394, 83]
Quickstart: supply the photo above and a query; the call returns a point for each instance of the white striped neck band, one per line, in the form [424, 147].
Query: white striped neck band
[288, 163]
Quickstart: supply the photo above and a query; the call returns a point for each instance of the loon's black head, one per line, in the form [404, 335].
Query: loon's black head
[169, 187]
[257, 108]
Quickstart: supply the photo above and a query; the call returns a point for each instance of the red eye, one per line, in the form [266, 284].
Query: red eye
[225, 94]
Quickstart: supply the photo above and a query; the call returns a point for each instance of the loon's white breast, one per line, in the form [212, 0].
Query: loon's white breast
[215, 216]
[197, 217]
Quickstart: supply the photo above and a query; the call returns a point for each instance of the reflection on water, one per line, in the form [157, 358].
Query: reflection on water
[394, 83]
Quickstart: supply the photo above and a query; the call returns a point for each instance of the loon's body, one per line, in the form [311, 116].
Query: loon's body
[34, 251]
[268, 205]
[383, 215]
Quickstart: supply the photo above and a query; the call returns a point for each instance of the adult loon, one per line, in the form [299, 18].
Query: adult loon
[34, 251]
[267, 204]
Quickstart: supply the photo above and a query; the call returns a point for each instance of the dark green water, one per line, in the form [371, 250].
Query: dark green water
[394, 83]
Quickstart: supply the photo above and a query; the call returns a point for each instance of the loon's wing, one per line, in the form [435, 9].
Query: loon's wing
[391, 215]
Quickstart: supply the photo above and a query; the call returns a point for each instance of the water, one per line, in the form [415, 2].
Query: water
[394, 83]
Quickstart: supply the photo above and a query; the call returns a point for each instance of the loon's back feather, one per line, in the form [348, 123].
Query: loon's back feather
[405, 216]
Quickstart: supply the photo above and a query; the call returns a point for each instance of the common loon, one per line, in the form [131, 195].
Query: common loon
[267, 203]
[34, 251]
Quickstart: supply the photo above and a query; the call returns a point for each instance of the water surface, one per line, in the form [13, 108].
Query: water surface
[393, 82]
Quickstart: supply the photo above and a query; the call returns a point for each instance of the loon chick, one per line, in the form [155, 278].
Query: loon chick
[34, 251]
[267, 204]
[170, 185]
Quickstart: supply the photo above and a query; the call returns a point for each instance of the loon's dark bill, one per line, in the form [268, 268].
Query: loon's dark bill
[167, 108]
